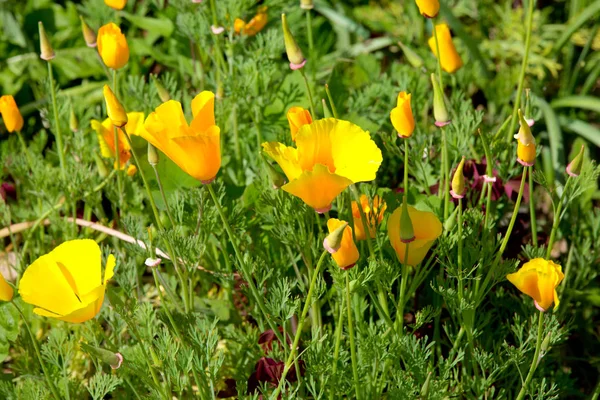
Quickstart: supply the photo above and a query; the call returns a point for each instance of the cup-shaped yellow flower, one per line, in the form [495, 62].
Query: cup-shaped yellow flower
[106, 136]
[329, 156]
[428, 8]
[347, 254]
[298, 117]
[373, 213]
[116, 4]
[196, 147]
[538, 279]
[450, 59]
[402, 116]
[427, 228]
[68, 283]
[13, 120]
[255, 25]
[112, 46]
[6, 291]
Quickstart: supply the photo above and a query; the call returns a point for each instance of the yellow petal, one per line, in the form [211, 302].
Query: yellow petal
[13, 120]
[298, 117]
[80, 261]
[109, 269]
[347, 255]
[402, 116]
[6, 291]
[199, 156]
[428, 8]
[286, 157]
[170, 115]
[314, 144]
[203, 110]
[450, 59]
[526, 280]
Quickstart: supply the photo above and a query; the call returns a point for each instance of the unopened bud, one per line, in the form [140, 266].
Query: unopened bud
[307, 4]
[574, 167]
[88, 33]
[46, 51]
[73, 121]
[425, 388]
[294, 53]
[411, 56]
[451, 221]
[440, 112]
[277, 178]
[458, 181]
[524, 135]
[102, 170]
[326, 111]
[113, 359]
[114, 108]
[407, 233]
[333, 241]
[163, 93]
[152, 155]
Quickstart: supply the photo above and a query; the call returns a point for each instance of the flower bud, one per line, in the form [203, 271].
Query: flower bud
[163, 93]
[411, 56]
[13, 120]
[574, 167]
[114, 108]
[428, 8]
[458, 181]
[407, 233]
[102, 170]
[88, 33]
[402, 116]
[116, 4]
[440, 112]
[108, 357]
[307, 4]
[73, 122]
[131, 170]
[333, 241]
[526, 143]
[326, 112]
[425, 388]
[152, 155]
[277, 178]
[294, 53]
[46, 51]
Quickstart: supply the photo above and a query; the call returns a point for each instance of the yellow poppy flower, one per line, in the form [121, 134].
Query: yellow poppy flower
[297, 117]
[347, 254]
[427, 228]
[195, 148]
[255, 25]
[13, 120]
[539, 279]
[116, 4]
[330, 155]
[67, 283]
[428, 8]
[112, 46]
[450, 58]
[106, 136]
[6, 291]
[402, 116]
[373, 213]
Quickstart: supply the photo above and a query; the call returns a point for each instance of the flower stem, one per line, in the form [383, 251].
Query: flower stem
[534, 237]
[336, 349]
[406, 167]
[556, 221]
[163, 195]
[167, 311]
[402, 294]
[59, 141]
[460, 251]
[309, 33]
[439, 58]
[535, 361]
[116, 141]
[490, 173]
[351, 336]
[308, 92]
[307, 303]
[331, 103]
[513, 120]
[36, 348]
[445, 166]
[25, 151]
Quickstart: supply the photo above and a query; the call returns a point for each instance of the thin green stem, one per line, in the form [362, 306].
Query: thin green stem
[351, 336]
[461, 294]
[446, 168]
[36, 348]
[25, 151]
[534, 237]
[308, 93]
[167, 311]
[336, 349]
[439, 58]
[556, 221]
[528, 28]
[536, 354]
[331, 103]
[406, 167]
[163, 195]
[402, 294]
[307, 304]
[309, 32]
[116, 142]
[59, 139]
[490, 174]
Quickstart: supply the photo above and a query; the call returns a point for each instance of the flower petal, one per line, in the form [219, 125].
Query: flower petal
[199, 156]
[317, 188]
[80, 261]
[355, 154]
[286, 157]
[203, 110]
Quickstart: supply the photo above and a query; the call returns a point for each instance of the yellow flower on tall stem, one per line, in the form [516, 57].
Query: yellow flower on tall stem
[346, 255]
[13, 120]
[402, 116]
[195, 148]
[68, 283]
[112, 46]
[373, 213]
[450, 59]
[6, 291]
[298, 117]
[106, 137]
[255, 25]
[539, 279]
[427, 228]
[116, 4]
[329, 156]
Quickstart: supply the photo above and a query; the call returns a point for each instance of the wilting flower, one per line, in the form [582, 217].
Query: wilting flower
[13, 120]
[539, 279]
[450, 59]
[525, 143]
[112, 46]
[428, 8]
[330, 155]
[116, 4]
[195, 148]
[346, 255]
[106, 136]
[373, 213]
[402, 116]
[67, 283]
[427, 228]
[297, 117]
[6, 291]
[255, 25]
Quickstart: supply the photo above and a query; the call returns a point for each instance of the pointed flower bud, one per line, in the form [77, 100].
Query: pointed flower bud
[428, 8]
[333, 241]
[73, 121]
[88, 33]
[458, 181]
[440, 112]
[114, 108]
[402, 116]
[152, 155]
[341, 244]
[574, 167]
[113, 359]
[163, 93]
[307, 4]
[294, 53]
[526, 143]
[276, 177]
[102, 170]
[407, 233]
[411, 56]
[326, 112]
[46, 51]
[425, 388]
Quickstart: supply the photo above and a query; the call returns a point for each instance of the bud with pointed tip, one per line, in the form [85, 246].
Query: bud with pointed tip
[307, 4]
[102, 170]
[88, 33]
[294, 53]
[458, 181]
[113, 359]
[525, 143]
[407, 233]
[340, 244]
[152, 155]
[276, 177]
[333, 241]
[46, 51]
[425, 388]
[163, 93]
[73, 121]
[574, 167]
[114, 108]
[326, 112]
[411, 56]
[440, 112]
